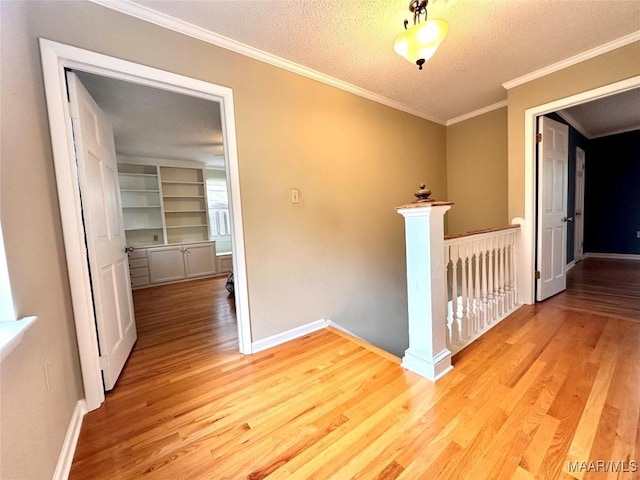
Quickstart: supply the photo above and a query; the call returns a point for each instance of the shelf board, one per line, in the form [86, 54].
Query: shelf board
[183, 196]
[126, 174]
[145, 191]
[141, 206]
[185, 226]
[142, 228]
[179, 182]
[185, 211]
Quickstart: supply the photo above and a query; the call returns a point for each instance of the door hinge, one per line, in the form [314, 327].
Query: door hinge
[538, 137]
[103, 362]
[537, 275]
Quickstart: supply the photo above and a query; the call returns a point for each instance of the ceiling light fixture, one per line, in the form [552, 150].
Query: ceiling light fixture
[418, 43]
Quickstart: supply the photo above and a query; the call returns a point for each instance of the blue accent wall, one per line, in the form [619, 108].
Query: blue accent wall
[612, 194]
[576, 139]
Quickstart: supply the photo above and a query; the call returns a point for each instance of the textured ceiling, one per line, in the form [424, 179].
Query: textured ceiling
[490, 42]
[607, 116]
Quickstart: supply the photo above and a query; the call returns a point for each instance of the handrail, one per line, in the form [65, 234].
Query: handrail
[479, 232]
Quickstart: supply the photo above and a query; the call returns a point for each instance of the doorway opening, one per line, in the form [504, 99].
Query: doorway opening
[527, 267]
[56, 58]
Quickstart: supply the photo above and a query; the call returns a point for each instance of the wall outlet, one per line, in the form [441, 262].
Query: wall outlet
[47, 373]
[295, 195]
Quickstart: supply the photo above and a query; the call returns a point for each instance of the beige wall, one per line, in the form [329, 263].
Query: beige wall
[605, 69]
[339, 254]
[33, 420]
[477, 172]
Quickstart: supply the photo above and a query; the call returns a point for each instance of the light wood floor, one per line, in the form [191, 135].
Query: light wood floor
[604, 285]
[545, 386]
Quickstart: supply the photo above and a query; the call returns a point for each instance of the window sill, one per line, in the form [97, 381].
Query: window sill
[11, 334]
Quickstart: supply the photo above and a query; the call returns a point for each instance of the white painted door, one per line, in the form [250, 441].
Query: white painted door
[102, 214]
[552, 208]
[200, 259]
[578, 245]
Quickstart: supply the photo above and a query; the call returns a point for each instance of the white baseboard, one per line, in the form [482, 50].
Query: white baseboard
[570, 265]
[621, 256]
[287, 336]
[70, 441]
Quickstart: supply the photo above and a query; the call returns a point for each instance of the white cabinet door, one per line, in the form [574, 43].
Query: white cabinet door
[166, 264]
[200, 259]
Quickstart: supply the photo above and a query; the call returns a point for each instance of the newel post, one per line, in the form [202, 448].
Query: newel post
[427, 354]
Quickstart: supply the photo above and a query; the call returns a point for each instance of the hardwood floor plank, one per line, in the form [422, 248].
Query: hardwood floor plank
[540, 443]
[585, 432]
[567, 407]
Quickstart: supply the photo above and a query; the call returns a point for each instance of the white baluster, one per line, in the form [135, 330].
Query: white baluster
[477, 288]
[503, 292]
[496, 279]
[464, 331]
[485, 309]
[455, 305]
[470, 292]
[490, 276]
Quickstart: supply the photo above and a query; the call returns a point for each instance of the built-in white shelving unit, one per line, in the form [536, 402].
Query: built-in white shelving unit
[185, 204]
[141, 206]
[166, 221]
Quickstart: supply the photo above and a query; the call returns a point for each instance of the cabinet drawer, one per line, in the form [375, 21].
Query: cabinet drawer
[138, 253]
[138, 262]
[139, 281]
[139, 272]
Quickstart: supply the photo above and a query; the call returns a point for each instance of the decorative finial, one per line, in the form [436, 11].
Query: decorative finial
[422, 195]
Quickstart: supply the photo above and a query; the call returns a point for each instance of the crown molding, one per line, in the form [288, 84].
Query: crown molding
[574, 123]
[180, 26]
[617, 132]
[590, 136]
[581, 57]
[475, 113]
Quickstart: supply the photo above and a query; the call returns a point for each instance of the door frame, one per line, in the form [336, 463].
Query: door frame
[56, 57]
[526, 267]
[578, 253]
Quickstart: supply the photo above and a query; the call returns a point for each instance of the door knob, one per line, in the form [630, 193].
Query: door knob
[567, 219]
[128, 249]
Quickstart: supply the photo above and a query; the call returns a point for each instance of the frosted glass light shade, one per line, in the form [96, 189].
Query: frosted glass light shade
[421, 41]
